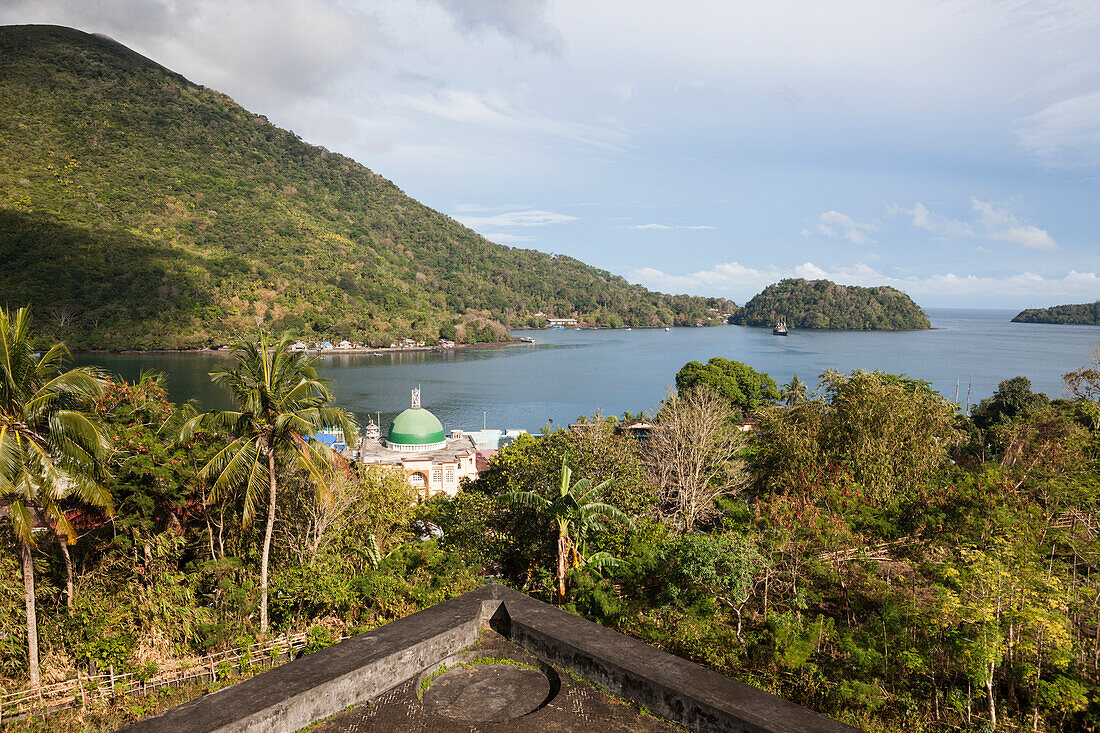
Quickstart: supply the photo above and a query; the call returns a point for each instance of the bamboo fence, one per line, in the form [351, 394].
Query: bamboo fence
[83, 689]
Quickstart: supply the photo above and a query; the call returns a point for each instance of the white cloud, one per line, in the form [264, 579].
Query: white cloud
[835, 224]
[460, 105]
[522, 21]
[1003, 226]
[696, 227]
[938, 225]
[1066, 133]
[522, 218]
[991, 222]
[739, 281]
[504, 238]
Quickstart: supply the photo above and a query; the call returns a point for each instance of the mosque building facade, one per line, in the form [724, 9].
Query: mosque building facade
[432, 462]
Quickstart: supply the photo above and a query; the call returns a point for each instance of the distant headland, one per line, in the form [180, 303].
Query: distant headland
[822, 304]
[1083, 314]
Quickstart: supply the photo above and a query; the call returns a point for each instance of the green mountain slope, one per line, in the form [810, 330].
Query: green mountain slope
[1083, 314]
[139, 210]
[824, 304]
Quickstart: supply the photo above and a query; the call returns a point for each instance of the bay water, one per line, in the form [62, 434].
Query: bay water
[568, 373]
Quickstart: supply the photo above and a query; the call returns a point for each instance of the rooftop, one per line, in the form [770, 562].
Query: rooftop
[375, 451]
[415, 426]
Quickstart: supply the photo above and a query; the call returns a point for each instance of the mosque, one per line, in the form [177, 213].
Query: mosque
[432, 461]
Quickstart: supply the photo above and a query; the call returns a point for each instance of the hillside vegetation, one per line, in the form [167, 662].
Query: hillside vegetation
[824, 304]
[141, 210]
[1083, 314]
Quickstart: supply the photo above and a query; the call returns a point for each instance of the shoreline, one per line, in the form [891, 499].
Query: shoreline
[327, 352]
[383, 350]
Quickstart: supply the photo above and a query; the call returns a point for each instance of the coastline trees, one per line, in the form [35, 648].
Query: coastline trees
[281, 401]
[50, 449]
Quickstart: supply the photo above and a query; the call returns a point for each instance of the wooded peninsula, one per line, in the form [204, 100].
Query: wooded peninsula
[824, 304]
[1084, 314]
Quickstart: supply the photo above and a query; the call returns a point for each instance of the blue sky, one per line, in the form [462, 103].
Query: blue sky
[951, 149]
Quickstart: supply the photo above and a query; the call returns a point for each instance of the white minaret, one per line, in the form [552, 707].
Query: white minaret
[416, 398]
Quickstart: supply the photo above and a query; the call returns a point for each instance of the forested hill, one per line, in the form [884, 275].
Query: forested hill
[824, 304]
[1084, 314]
[139, 210]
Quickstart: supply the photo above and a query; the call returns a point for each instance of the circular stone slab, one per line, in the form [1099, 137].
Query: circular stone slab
[487, 692]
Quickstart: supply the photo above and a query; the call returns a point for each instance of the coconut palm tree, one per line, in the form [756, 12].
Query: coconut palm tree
[575, 512]
[794, 391]
[50, 449]
[280, 400]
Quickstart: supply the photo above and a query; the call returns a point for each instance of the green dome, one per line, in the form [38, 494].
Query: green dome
[416, 426]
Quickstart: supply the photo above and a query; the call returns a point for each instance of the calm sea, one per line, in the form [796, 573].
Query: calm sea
[571, 373]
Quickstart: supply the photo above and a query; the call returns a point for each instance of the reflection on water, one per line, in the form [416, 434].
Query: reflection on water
[570, 373]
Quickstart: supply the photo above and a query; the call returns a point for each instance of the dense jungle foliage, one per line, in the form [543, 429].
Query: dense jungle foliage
[139, 210]
[867, 551]
[824, 304]
[1083, 314]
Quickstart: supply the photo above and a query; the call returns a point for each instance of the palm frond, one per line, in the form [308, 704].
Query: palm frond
[606, 510]
[22, 521]
[212, 420]
[525, 498]
[601, 561]
[317, 460]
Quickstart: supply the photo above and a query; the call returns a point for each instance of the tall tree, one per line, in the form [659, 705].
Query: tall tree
[1013, 399]
[50, 449]
[693, 454]
[744, 387]
[793, 392]
[281, 400]
[889, 432]
[575, 511]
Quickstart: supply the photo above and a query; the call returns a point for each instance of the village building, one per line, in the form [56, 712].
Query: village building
[560, 322]
[416, 445]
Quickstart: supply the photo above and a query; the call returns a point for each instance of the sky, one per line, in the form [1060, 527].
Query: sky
[950, 149]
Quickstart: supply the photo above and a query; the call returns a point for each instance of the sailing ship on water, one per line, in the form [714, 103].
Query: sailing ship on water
[780, 327]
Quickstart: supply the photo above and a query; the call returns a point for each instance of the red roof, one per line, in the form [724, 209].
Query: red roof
[483, 458]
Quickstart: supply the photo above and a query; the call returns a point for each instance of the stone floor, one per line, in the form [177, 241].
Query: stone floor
[477, 693]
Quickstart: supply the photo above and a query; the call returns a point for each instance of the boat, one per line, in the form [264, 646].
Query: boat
[780, 327]
[668, 329]
[527, 339]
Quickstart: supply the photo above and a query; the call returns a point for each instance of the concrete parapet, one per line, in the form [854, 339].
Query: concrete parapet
[357, 670]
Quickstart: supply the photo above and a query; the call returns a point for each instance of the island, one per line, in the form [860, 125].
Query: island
[1083, 314]
[823, 304]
